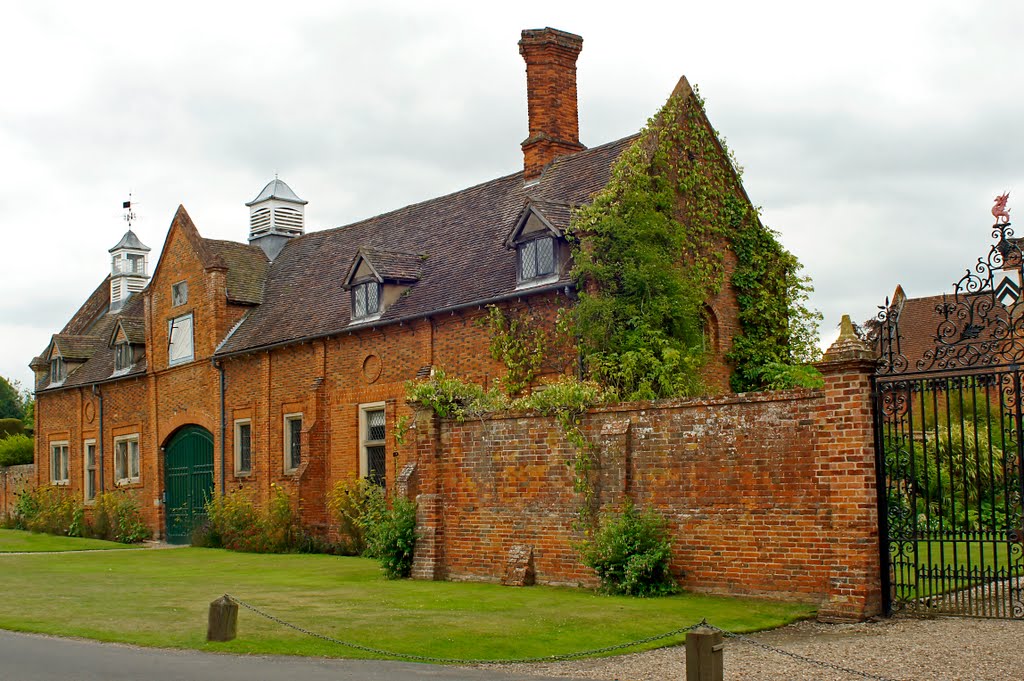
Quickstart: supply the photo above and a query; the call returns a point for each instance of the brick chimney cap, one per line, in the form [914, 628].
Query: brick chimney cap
[548, 35]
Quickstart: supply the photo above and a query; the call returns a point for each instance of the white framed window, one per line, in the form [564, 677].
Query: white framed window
[126, 459]
[90, 480]
[292, 442]
[372, 448]
[537, 258]
[179, 293]
[243, 447]
[365, 299]
[59, 474]
[179, 340]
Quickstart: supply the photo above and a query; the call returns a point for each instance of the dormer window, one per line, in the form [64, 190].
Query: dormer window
[538, 237]
[122, 356]
[58, 370]
[536, 258]
[365, 299]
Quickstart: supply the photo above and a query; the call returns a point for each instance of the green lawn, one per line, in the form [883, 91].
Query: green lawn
[18, 541]
[161, 598]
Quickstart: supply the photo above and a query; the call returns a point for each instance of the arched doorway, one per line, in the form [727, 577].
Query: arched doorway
[188, 480]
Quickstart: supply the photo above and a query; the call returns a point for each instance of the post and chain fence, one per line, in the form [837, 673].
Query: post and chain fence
[740, 638]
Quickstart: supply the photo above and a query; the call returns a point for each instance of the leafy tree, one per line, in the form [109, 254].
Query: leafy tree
[12, 404]
[15, 450]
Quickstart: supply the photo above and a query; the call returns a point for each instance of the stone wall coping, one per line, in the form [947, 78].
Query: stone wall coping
[794, 395]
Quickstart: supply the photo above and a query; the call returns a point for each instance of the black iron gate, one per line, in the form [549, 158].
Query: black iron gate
[950, 442]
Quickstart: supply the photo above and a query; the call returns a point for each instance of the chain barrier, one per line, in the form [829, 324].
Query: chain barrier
[563, 657]
[446, 660]
[801, 658]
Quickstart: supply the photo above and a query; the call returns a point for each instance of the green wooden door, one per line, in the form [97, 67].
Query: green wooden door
[188, 466]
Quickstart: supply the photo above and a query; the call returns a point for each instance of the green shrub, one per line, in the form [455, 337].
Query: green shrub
[48, 509]
[782, 376]
[16, 449]
[356, 505]
[452, 397]
[117, 516]
[631, 552]
[11, 427]
[379, 527]
[234, 522]
[392, 539]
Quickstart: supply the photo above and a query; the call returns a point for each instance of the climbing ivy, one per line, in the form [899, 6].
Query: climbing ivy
[520, 340]
[648, 253]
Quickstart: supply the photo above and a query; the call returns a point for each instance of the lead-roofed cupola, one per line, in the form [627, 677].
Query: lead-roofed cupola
[129, 269]
[276, 215]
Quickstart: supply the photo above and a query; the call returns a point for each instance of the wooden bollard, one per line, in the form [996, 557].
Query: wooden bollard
[704, 653]
[223, 622]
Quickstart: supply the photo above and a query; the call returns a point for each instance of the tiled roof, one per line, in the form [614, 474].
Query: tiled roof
[558, 214]
[77, 348]
[391, 265]
[460, 234]
[93, 307]
[134, 329]
[247, 269]
[99, 364]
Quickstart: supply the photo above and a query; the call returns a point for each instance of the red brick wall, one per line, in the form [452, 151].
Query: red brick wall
[768, 494]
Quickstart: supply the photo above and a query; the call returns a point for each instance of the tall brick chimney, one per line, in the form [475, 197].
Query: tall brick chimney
[550, 57]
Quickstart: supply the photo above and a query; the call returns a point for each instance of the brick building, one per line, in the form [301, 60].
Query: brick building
[283, 361]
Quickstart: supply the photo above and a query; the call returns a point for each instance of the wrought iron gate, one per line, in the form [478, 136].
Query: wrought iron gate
[950, 441]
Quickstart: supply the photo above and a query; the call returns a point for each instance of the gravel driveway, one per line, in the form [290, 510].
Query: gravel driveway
[898, 648]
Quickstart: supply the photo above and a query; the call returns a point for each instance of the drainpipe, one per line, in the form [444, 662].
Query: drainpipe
[223, 474]
[99, 438]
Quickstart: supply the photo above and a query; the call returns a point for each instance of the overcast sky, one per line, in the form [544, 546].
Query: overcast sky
[874, 135]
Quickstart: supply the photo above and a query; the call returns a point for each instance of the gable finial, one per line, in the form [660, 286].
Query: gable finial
[129, 215]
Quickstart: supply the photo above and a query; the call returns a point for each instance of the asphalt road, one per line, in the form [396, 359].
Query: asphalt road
[29, 657]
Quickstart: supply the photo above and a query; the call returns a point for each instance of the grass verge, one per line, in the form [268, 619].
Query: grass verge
[160, 598]
[17, 541]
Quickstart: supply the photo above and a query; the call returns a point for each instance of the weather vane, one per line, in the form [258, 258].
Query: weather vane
[999, 211]
[129, 215]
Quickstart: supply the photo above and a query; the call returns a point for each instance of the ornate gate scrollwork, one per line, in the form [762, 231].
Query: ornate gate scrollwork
[950, 440]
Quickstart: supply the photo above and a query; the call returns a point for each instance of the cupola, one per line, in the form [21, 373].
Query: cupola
[275, 216]
[129, 266]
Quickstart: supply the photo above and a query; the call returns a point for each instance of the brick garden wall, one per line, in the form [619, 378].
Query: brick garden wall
[766, 494]
[13, 481]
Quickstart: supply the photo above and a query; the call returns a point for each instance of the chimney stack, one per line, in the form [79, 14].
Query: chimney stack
[550, 57]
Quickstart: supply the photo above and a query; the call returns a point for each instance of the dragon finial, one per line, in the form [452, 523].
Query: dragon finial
[999, 211]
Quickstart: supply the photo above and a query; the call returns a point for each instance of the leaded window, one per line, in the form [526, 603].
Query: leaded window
[365, 299]
[536, 258]
[374, 452]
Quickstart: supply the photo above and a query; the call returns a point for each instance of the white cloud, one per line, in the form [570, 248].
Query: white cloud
[874, 135]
